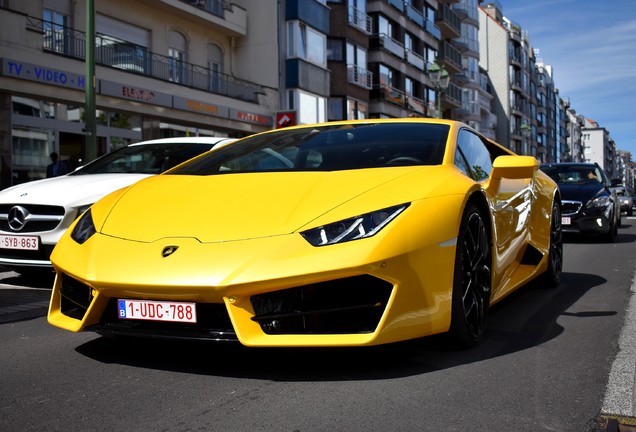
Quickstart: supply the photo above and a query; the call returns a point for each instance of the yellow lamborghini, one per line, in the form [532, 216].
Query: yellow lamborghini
[337, 234]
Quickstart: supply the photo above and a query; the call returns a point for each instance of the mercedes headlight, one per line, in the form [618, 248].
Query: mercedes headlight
[84, 229]
[354, 228]
[600, 201]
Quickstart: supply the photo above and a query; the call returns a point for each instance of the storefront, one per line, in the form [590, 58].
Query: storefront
[35, 124]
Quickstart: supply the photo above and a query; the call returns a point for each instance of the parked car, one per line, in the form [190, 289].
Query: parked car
[339, 234]
[34, 215]
[590, 204]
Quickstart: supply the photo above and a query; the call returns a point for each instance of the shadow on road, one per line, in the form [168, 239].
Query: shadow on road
[523, 320]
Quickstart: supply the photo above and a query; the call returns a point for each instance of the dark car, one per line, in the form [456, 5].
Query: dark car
[590, 205]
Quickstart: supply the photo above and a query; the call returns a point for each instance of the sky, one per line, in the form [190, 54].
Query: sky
[591, 46]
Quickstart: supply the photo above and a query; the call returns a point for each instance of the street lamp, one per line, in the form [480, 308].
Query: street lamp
[525, 132]
[441, 80]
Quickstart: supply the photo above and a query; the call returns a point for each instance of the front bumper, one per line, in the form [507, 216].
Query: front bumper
[277, 291]
[578, 219]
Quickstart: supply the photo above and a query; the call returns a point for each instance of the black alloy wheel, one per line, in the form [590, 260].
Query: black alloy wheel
[472, 280]
[552, 275]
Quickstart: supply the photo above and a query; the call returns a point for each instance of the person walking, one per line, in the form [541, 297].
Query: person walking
[56, 167]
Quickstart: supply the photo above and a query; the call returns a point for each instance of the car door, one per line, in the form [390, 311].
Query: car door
[510, 208]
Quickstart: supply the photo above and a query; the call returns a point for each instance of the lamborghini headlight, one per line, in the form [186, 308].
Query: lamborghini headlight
[84, 229]
[354, 228]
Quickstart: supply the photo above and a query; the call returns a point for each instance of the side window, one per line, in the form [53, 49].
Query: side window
[475, 153]
[461, 163]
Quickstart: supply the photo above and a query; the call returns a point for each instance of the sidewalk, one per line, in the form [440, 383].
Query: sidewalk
[619, 405]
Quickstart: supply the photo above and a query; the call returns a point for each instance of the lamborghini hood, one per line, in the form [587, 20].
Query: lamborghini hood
[240, 206]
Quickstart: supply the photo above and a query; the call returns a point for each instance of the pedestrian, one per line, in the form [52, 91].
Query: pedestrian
[56, 167]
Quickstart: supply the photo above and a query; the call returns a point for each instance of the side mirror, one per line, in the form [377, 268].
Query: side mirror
[514, 167]
[511, 167]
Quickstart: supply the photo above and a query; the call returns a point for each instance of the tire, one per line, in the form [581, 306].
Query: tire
[552, 275]
[472, 281]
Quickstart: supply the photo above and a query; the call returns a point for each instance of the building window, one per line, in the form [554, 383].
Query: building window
[335, 50]
[55, 30]
[356, 109]
[126, 51]
[176, 56]
[386, 27]
[306, 43]
[311, 108]
[215, 66]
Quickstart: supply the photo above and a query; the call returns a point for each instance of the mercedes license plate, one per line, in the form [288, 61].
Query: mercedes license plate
[566, 221]
[19, 242]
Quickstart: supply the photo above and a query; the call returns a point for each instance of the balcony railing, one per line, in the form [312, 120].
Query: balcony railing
[398, 4]
[432, 28]
[391, 45]
[391, 94]
[415, 59]
[359, 76]
[448, 20]
[115, 53]
[414, 105]
[414, 15]
[215, 7]
[360, 20]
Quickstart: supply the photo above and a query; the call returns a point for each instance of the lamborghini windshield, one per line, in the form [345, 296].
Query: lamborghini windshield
[328, 148]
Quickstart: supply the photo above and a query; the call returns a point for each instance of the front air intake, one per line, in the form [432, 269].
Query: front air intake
[342, 306]
[75, 296]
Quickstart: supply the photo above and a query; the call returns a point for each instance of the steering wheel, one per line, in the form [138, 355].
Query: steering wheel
[404, 160]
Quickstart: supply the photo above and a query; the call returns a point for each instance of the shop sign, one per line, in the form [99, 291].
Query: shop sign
[285, 119]
[134, 93]
[43, 74]
[249, 117]
[199, 107]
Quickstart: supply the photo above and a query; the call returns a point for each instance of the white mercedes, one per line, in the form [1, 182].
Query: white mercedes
[34, 215]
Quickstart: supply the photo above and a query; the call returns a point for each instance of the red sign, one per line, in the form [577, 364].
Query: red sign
[285, 119]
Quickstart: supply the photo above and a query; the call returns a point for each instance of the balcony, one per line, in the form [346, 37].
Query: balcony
[398, 4]
[452, 97]
[450, 57]
[360, 20]
[466, 13]
[385, 92]
[432, 29]
[390, 45]
[414, 15]
[416, 105]
[448, 22]
[415, 60]
[220, 14]
[115, 53]
[359, 76]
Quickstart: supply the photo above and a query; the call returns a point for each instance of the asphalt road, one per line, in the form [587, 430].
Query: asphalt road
[544, 366]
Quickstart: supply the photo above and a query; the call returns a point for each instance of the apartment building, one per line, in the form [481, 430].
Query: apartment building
[574, 137]
[163, 68]
[599, 147]
[531, 116]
